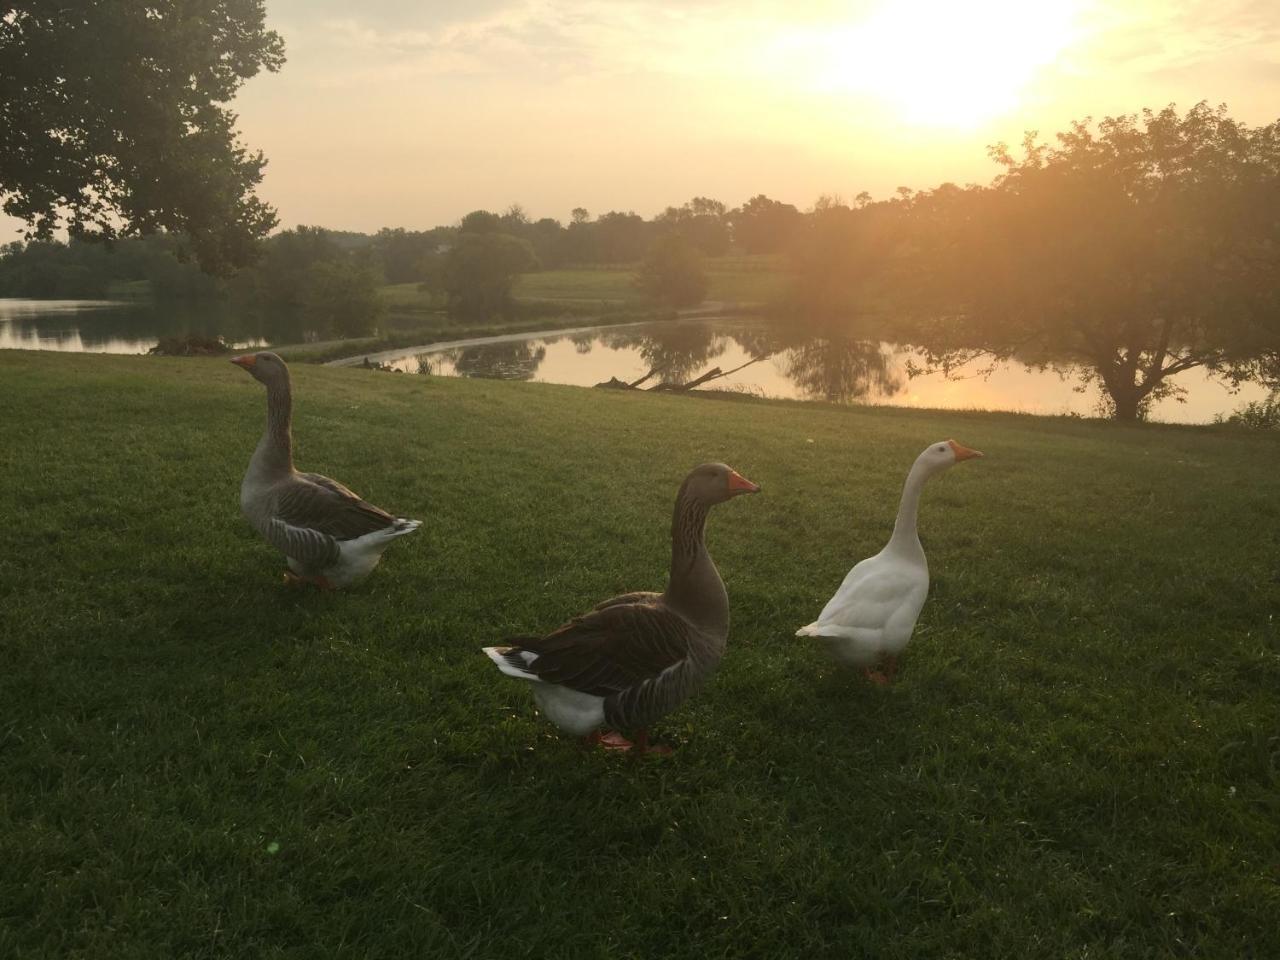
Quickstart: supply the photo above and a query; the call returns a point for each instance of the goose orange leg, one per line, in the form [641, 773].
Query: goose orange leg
[890, 667]
[607, 741]
[882, 677]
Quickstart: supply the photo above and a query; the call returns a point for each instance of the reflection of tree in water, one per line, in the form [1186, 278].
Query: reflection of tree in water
[583, 343]
[676, 351]
[516, 360]
[841, 369]
[826, 362]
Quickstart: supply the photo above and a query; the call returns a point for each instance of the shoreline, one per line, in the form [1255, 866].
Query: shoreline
[714, 311]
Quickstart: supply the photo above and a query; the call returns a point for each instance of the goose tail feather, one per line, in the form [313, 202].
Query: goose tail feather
[512, 661]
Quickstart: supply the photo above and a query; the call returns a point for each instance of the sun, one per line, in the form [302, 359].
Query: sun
[941, 63]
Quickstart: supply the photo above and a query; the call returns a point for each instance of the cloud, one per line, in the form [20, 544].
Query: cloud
[1157, 36]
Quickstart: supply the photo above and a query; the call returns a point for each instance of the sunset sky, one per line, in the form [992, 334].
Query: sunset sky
[407, 113]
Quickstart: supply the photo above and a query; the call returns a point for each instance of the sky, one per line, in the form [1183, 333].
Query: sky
[413, 112]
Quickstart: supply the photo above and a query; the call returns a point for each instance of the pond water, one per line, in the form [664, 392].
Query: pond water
[834, 369]
[111, 326]
[814, 368]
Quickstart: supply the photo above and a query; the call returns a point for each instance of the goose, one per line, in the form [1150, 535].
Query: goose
[636, 657]
[330, 536]
[870, 619]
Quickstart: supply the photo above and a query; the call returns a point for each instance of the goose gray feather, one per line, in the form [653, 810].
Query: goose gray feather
[328, 532]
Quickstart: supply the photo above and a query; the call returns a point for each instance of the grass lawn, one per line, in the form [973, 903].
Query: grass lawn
[1080, 758]
[754, 279]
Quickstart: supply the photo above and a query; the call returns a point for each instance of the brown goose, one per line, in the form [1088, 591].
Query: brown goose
[635, 658]
[330, 536]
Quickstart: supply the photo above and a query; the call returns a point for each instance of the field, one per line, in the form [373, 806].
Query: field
[1080, 759]
[757, 279]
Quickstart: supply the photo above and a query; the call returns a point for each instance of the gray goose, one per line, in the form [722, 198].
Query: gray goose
[330, 536]
[636, 657]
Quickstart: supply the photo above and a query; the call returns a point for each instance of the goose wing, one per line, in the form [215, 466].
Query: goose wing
[870, 596]
[619, 645]
[312, 501]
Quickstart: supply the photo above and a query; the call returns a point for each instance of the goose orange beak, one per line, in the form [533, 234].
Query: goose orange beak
[740, 484]
[962, 452]
[246, 360]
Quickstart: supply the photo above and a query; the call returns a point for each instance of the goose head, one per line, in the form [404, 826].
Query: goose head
[265, 367]
[713, 483]
[944, 454]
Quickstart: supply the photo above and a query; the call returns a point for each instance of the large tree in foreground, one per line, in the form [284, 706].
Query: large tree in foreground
[1137, 250]
[113, 120]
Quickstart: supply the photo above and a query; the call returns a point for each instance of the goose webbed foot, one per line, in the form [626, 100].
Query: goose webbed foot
[882, 677]
[607, 741]
[291, 579]
[643, 746]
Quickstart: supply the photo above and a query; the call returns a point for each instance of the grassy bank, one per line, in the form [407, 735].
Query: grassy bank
[603, 287]
[1080, 758]
[440, 328]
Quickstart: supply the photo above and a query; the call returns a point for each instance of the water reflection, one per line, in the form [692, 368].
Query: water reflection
[514, 360]
[793, 363]
[98, 326]
[840, 369]
[675, 353]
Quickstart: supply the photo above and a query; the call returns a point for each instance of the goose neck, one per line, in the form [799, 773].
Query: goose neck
[695, 588]
[906, 538]
[277, 441]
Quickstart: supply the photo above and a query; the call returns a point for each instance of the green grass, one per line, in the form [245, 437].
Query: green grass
[755, 279]
[606, 283]
[1079, 760]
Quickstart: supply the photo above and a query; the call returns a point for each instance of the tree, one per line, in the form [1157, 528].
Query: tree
[672, 272]
[402, 253]
[342, 297]
[701, 221]
[1139, 250]
[480, 221]
[619, 237]
[282, 276]
[840, 259]
[114, 120]
[478, 271]
[762, 225]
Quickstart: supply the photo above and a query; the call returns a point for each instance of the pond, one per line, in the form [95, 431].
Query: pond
[112, 326]
[834, 369]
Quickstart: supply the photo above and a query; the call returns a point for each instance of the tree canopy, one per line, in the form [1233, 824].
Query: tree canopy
[478, 271]
[1140, 248]
[114, 121]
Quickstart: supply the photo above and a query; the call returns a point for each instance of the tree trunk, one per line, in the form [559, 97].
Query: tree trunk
[1127, 404]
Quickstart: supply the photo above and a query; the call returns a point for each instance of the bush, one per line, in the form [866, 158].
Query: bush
[1256, 414]
[342, 298]
[672, 273]
[190, 345]
[478, 271]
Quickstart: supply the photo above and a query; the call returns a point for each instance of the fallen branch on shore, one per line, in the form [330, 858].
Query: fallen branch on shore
[715, 373]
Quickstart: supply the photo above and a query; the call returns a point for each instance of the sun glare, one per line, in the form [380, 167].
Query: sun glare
[943, 63]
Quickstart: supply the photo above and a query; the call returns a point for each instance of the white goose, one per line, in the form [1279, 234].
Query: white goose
[870, 619]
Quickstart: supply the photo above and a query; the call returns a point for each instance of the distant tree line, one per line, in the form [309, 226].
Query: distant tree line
[472, 265]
